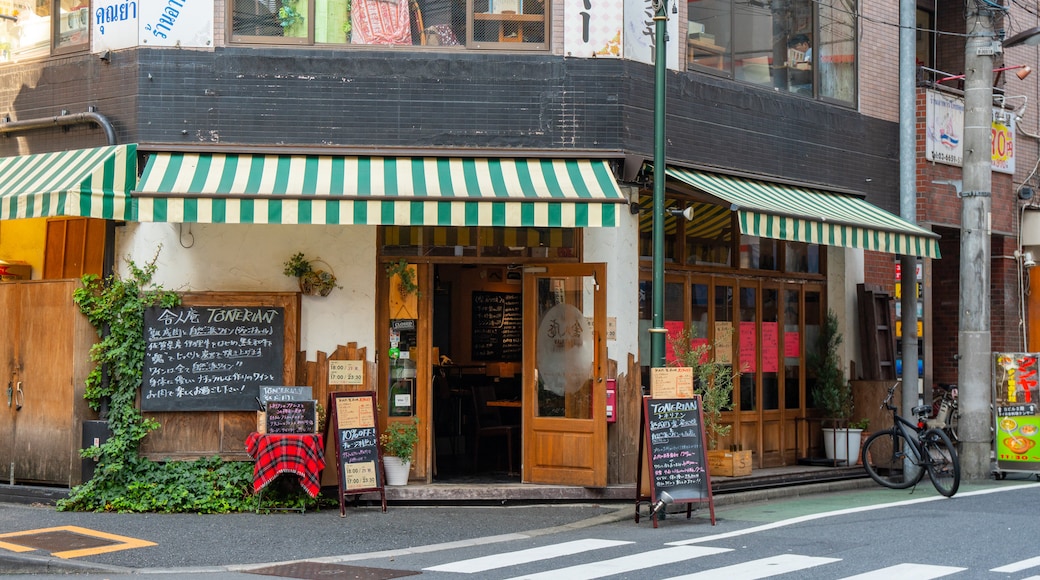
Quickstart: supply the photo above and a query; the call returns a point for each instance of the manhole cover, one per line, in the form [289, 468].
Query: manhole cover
[316, 571]
[58, 541]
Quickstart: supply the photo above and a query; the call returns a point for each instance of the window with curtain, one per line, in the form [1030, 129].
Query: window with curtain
[511, 24]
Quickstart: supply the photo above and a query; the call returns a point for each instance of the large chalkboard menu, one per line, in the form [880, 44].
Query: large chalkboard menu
[497, 326]
[210, 358]
[673, 431]
[352, 417]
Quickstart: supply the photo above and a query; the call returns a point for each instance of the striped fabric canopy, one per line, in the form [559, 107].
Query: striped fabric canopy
[415, 191]
[81, 183]
[798, 214]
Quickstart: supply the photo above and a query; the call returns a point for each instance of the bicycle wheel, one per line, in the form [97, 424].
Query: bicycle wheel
[940, 457]
[885, 459]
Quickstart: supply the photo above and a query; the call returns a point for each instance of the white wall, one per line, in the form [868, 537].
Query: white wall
[250, 258]
[845, 269]
[618, 248]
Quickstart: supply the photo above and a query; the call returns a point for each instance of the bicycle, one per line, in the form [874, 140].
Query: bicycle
[898, 457]
[945, 412]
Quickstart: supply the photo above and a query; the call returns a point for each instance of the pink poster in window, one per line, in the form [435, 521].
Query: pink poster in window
[674, 328]
[770, 347]
[747, 347]
[792, 346]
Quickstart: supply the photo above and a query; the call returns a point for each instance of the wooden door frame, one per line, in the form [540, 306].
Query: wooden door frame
[532, 425]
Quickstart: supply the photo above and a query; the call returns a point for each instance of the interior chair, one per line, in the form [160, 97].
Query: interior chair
[488, 422]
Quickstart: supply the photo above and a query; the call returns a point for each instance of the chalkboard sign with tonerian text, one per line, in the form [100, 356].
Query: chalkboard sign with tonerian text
[674, 436]
[352, 418]
[497, 326]
[210, 358]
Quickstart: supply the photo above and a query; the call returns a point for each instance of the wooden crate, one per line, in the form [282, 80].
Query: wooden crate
[729, 463]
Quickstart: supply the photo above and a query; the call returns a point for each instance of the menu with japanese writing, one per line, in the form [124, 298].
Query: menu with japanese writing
[1017, 400]
[675, 436]
[211, 358]
[357, 441]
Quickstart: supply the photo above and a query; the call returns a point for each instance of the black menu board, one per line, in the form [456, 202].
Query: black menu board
[352, 417]
[497, 326]
[673, 430]
[210, 358]
[291, 417]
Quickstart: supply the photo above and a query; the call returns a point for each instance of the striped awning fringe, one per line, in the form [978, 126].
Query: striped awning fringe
[799, 214]
[408, 191]
[78, 183]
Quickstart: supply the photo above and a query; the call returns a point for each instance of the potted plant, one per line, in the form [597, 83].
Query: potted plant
[312, 281]
[405, 274]
[832, 393]
[713, 381]
[398, 443]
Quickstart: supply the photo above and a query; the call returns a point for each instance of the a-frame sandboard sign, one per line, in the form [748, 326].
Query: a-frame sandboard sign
[671, 451]
[359, 460]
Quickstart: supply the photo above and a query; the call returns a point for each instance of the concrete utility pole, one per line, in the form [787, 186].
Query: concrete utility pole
[908, 196]
[974, 342]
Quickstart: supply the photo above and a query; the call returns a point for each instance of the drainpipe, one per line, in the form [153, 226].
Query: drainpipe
[63, 120]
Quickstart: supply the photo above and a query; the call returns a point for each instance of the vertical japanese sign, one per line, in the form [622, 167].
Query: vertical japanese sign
[592, 28]
[1017, 422]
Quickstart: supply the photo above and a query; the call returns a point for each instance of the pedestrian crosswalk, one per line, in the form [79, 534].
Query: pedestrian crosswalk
[599, 560]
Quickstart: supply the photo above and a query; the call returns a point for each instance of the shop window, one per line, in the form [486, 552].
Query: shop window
[759, 253]
[748, 354]
[511, 24]
[709, 236]
[792, 350]
[33, 29]
[801, 258]
[799, 46]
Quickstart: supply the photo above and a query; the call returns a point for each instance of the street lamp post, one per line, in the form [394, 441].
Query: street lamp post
[657, 332]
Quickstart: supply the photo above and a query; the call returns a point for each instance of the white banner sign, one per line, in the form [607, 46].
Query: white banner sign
[944, 142]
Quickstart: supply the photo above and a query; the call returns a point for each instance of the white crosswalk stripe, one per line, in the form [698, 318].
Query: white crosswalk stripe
[908, 572]
[762, 568]
[1019, 566]
[624, 564]
[759, 569]
[493, 562]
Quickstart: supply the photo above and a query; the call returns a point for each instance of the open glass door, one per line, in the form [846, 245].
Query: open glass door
[565, 423]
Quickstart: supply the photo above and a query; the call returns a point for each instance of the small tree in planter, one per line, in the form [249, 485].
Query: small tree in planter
[713, 381]
[832, 393]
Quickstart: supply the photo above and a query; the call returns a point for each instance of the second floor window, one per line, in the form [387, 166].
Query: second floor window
[42, 27]
[507, 24]
[804, 47]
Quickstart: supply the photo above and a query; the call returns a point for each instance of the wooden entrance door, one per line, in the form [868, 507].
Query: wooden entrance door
[564, 393]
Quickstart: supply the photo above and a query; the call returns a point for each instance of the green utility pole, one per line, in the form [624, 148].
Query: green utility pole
[657, 332]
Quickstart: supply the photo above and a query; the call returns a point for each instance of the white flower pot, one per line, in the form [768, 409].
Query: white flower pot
[840, 444]
[396, 470]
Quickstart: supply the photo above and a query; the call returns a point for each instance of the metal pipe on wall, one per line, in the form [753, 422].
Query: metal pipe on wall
[89, 117]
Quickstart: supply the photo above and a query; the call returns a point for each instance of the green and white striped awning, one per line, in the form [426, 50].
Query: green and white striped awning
[80, 183]
[798, 214]
[412, 191]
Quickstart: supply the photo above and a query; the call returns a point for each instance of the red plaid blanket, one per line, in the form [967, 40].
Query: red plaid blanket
[303, 455]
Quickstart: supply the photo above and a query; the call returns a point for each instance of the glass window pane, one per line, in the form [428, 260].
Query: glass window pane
[813, 320]
[748, 348]
[802, 258]
[331, 21]
[709, 236]
[770, 340]
[792, 351]
[795, 24]
[708, 39]
[73, 25]
[256, 18]
[753, 33]
[699, 310]
[759, 253]
[564, 347]
[837, 58]
[26, 33]
[509, 21]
